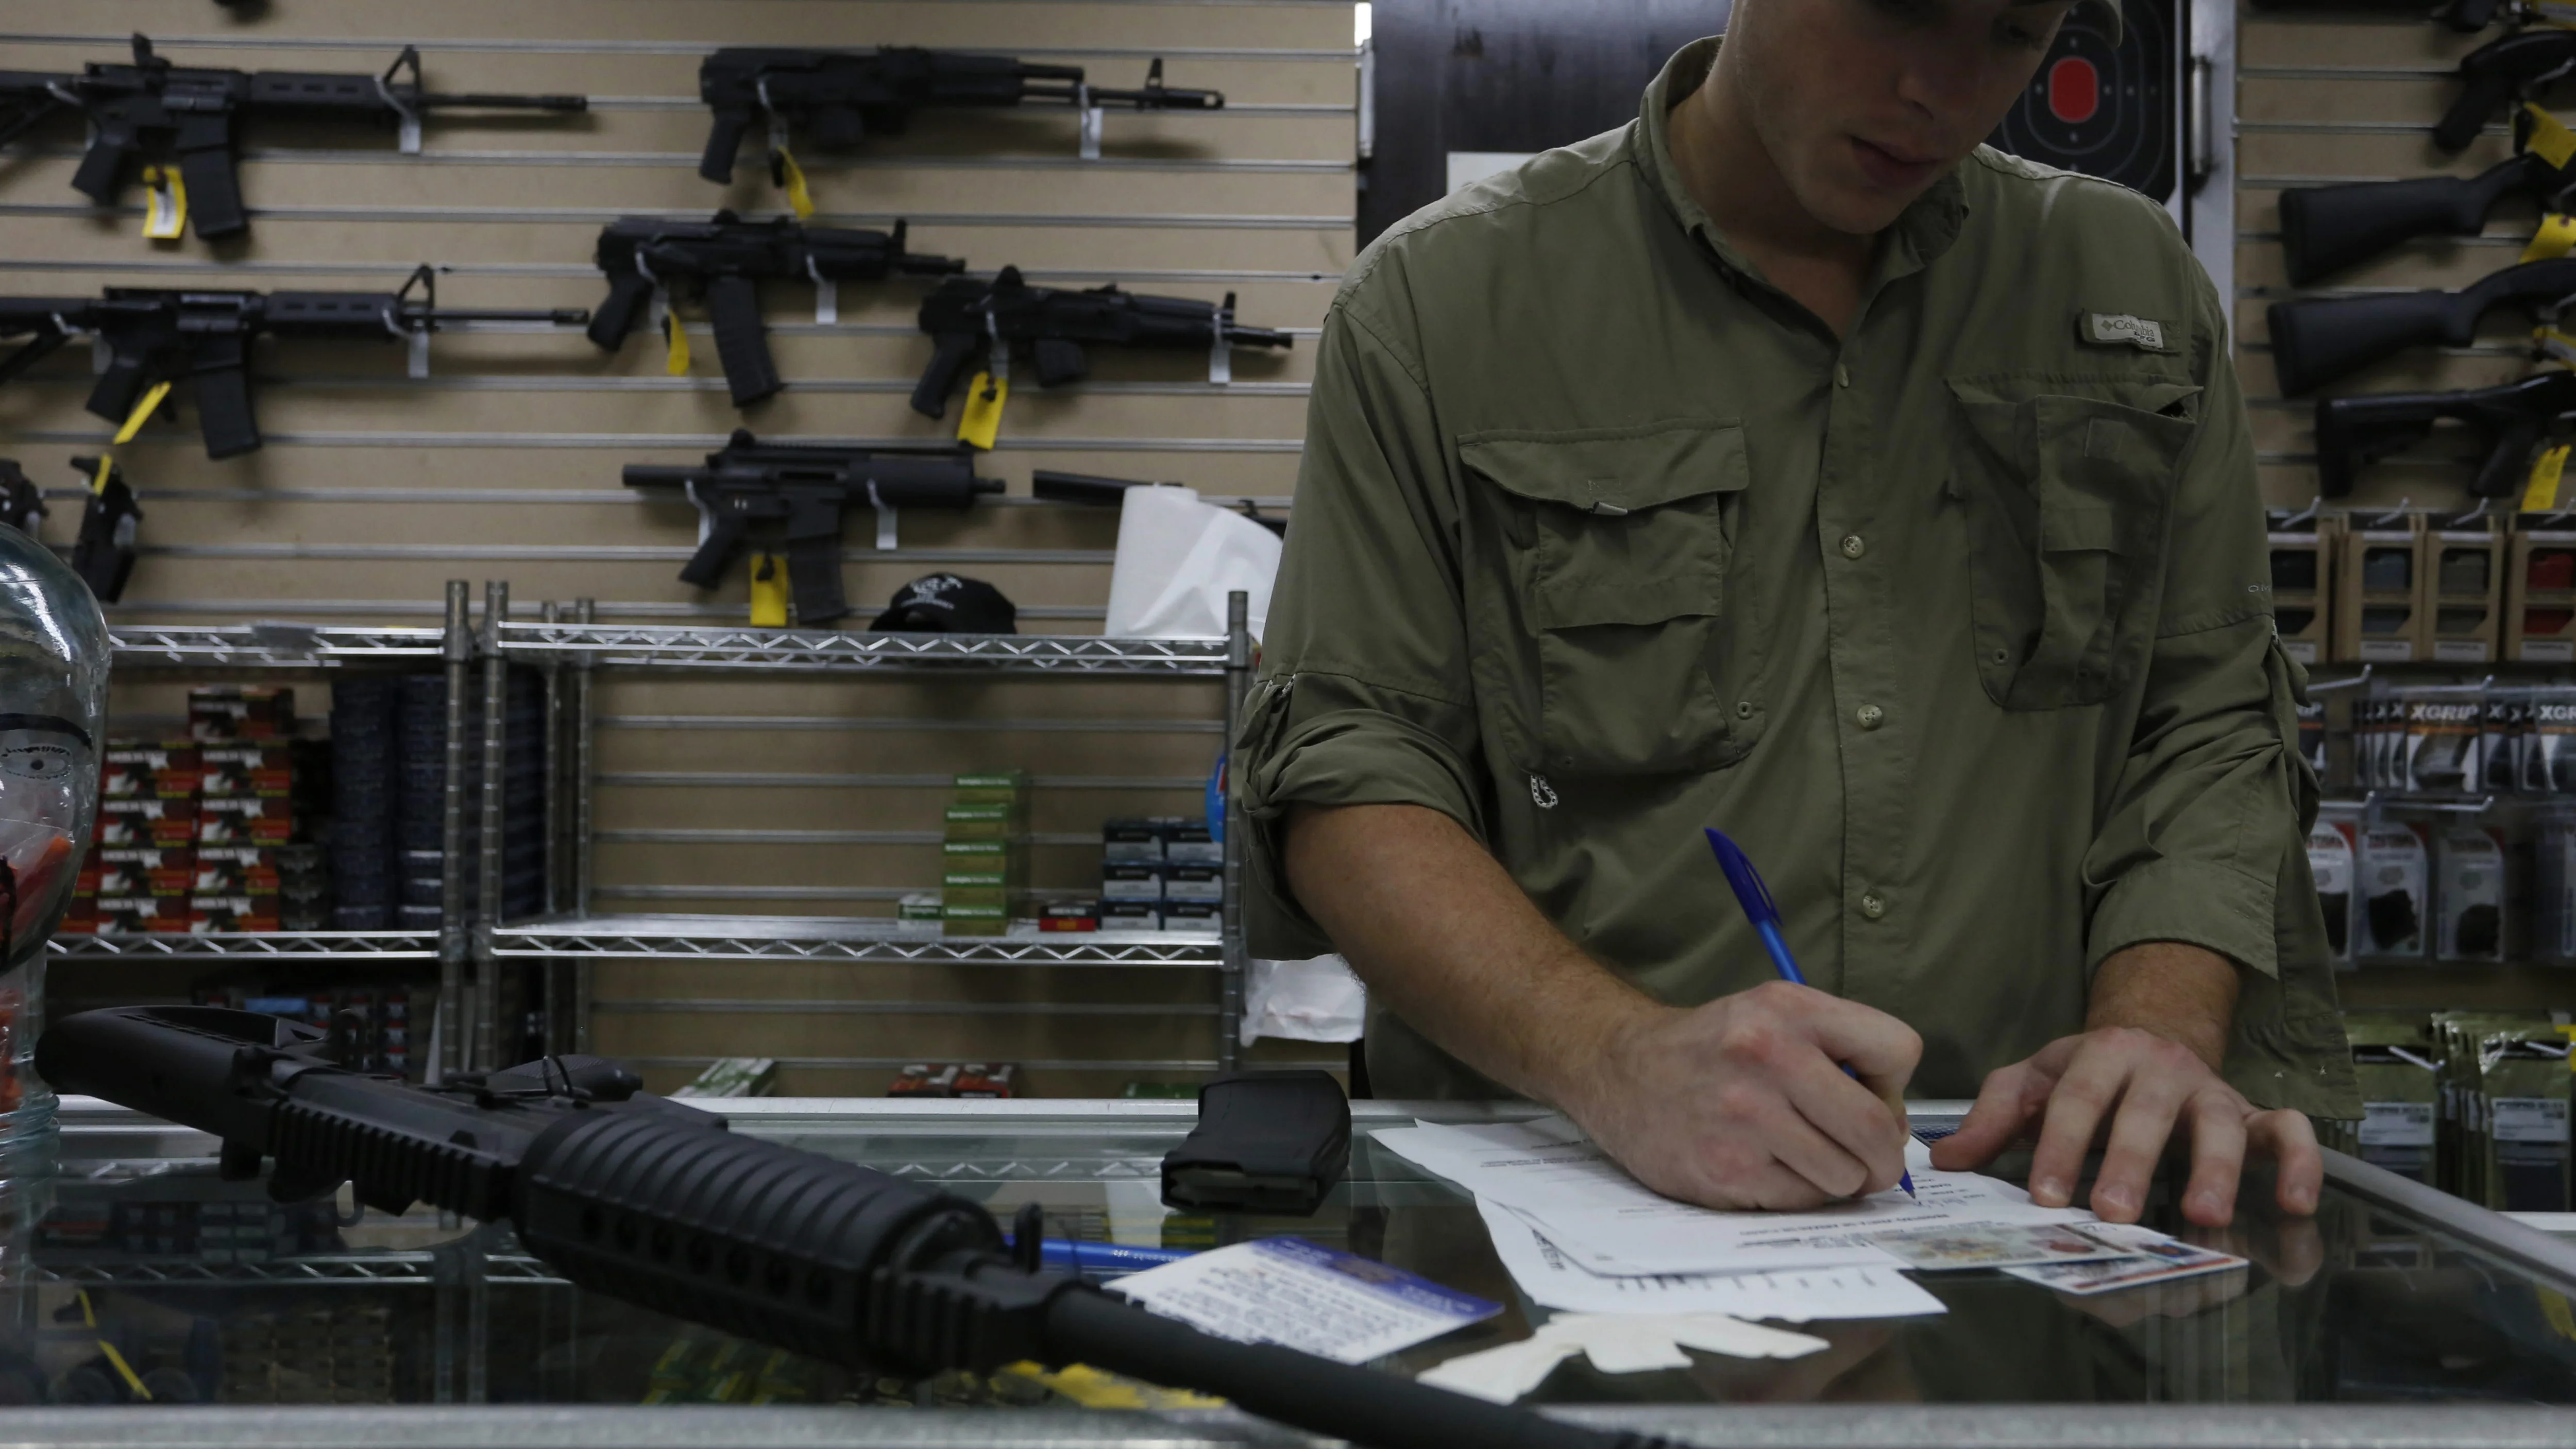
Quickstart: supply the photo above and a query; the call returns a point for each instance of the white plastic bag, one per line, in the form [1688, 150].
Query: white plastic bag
[1178, 558]
[1317, 1000]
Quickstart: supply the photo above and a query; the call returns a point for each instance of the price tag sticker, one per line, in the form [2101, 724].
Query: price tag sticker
[165, 210]
[982, 424]
[2551, 141]
[2541, 494]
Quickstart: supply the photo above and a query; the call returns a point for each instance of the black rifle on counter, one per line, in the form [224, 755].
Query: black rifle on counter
[797, 493]
[2325, 229]
[156, 335]
[103, 553]
[2499, 73]
[840, 96]
[2354, 431]
[725, 260]
[1089, 491]
[970, 319]
[193, 112]
[2318, 339]
[655, 1203]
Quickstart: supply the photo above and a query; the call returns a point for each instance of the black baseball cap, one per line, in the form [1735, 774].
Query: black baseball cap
[948, 604]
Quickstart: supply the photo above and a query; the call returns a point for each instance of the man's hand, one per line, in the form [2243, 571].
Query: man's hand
[2147, 1066]
[1743, 1102]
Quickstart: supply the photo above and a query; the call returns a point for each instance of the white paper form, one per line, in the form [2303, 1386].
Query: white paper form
[1805, 1295]
[1288, 1291]
[1609, 1223]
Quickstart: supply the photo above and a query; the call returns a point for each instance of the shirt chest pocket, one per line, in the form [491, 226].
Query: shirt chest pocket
[2065, 484]
[1605, 594]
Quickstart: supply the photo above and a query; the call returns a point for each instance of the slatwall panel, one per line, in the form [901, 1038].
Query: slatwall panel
[2329, 96]
[738, 795]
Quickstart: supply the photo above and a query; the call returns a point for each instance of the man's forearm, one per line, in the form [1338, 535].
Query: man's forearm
[2185, 994]
[1444, 936]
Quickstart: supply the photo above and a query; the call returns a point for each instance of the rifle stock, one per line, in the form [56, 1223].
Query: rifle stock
[2317, 340]
[2325, 229]
[2355, 431]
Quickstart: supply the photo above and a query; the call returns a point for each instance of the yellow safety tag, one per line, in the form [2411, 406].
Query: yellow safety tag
[768, 591]
[165, 215]
[2554, 1308]
[98, 480]
[2554, 239]
[142, 412]
[89, 1320]
[2541, 495]
[982, 423]
[677, 338]
[792, 176]
[2550, 139]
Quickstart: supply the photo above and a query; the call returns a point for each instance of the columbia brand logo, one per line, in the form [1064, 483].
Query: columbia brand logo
[2114, 328]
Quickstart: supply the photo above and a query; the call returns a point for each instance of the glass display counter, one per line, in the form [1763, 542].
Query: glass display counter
[144, 1288]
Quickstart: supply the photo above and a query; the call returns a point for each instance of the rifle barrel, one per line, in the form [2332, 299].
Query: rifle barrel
[482, 102]
[558, 316]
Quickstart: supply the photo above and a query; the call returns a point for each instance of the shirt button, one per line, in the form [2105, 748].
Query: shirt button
[1842, 375]
[1852, 546]
[1873, 907]
[1871, 716]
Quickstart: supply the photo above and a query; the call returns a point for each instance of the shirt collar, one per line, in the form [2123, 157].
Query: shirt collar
[1923, 231]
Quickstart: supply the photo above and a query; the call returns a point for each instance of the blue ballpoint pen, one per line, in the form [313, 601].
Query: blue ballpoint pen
[1067, 1255]
[1759, 908]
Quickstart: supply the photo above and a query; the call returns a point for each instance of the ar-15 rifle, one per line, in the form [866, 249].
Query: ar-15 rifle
[2318, 339]
[195, 109]
[654, 1203]
[2353, 431]
[2499, 71]
[800, 490]
[1091, 491]
[156, 335]
[970, 318]
[21, 501]
[842, 95]
[726, 259]
[2325, 229]
[103, 554]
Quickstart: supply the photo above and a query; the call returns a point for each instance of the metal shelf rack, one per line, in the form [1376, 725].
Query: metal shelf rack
[248, 946]
[568, 647]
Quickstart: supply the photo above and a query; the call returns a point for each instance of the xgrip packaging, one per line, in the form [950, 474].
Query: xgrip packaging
[2443, 732]
[2394, 894]
[2468, 893]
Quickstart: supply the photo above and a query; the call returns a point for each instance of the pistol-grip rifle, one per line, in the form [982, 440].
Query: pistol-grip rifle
[742, 343]
[206, 164]
[720, 529]
[2507, 463]
[628, 292]
[2353, 432]
[814, 560]
[947, 368]
[2486, 85]
[128, 373]
[101, 176]
[724, 142]
[103, 552]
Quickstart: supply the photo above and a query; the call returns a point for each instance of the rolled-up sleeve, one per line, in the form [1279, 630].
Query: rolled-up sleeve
[1363, 695]
[2203, 839]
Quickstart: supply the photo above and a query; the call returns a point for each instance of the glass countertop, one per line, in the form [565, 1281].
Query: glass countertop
[147, 1285]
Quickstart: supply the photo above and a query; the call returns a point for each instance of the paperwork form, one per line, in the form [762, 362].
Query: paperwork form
[1610, 1224]
[1552, 1280]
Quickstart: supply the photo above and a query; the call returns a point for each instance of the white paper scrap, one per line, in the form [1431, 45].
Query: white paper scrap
[1619, 1344]
[1805, 1295]
[1298, 1295]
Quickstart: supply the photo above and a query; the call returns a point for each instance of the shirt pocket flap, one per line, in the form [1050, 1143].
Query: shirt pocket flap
[1612, 471]
[2068, 525]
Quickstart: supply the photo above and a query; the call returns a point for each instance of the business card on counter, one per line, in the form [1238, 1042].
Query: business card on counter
[1295, 1294]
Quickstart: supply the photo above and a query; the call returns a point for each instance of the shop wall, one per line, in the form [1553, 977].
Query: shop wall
[727, 794]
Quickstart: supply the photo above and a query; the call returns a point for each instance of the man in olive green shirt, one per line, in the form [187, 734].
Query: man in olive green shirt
[1789, 463]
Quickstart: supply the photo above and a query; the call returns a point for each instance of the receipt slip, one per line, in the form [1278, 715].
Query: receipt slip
[1553, 1280]
[1297, 1295]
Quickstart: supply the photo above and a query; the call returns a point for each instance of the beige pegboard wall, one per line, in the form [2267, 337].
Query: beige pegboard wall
[728, 795]
[2336, 95]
